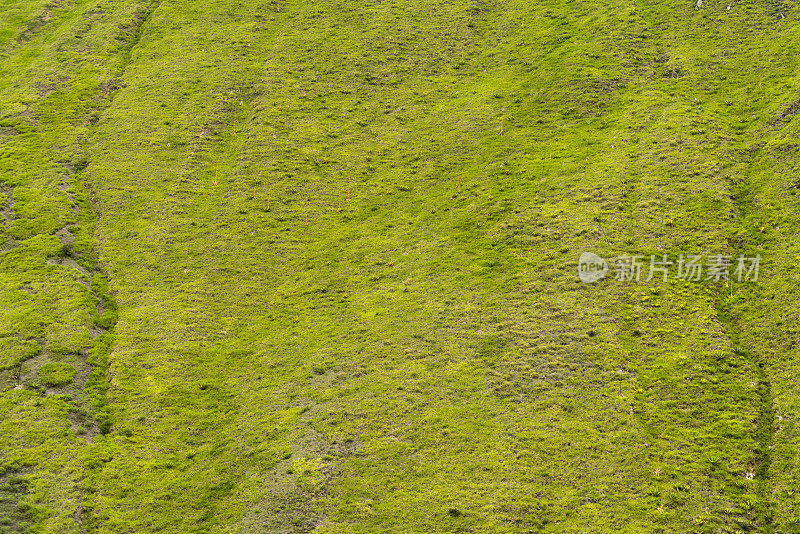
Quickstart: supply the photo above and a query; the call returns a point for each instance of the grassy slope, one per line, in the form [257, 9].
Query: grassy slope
[341, 238]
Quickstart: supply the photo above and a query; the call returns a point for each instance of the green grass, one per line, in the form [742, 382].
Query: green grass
[56, 374]
[292, 267]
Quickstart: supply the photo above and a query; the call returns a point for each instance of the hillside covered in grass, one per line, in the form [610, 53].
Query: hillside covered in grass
[292, 267]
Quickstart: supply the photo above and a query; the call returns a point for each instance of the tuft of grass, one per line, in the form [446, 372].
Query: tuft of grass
[55, 374]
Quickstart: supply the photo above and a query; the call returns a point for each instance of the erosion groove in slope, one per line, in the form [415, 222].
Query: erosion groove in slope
[132, 33]
[742, 192]
[759, 509]
[58, 368]
[103, 334]
[736, 300]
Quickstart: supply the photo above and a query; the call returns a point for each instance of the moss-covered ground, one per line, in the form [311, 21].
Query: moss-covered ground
[283, 267]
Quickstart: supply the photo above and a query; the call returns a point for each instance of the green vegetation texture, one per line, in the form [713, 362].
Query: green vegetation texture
[287, 267]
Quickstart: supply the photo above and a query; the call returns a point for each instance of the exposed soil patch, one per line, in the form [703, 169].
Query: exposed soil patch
[787, 114]
[39, 21]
